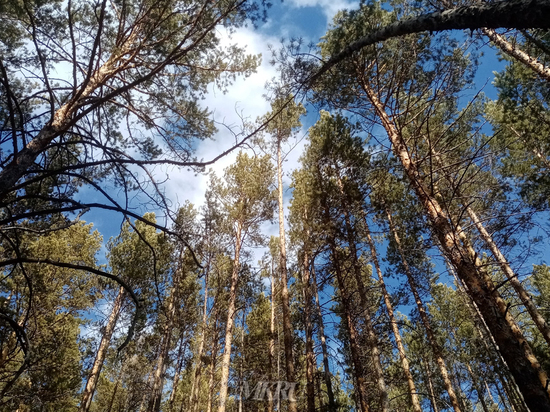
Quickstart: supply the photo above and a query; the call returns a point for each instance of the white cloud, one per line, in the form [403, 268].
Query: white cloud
[329, 7]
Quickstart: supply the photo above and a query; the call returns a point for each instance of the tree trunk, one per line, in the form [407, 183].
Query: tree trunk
[395, 328]
[310, 356]
[511, 50]
[478, 389]
[271, 342]
[361, 389]
[231, 311]
[195, 382]
[331, 407]
[212, 375]
[372, 339]
[512, 277]
[285, 301]
[179, 366]
[158, 376]
[436, 349]
[91, 384]
[523, 364]
[518, 14]
[433, 399]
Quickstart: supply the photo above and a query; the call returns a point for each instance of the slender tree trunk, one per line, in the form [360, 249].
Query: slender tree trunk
[213, 358]
[310, 356]
[231, 311]
[271, 342]
[91, 384]
[361, 387]
[331, 407]
[115, 389]
[437, 351]
[285, 300]
[195, 382]
[372, 339]
[512, 277]
[513, 51]
[179, 366]
[395, 328]
[433, 399]
[478, 389]
[360, 384]
[523, 364]
[158, 376]
[516, 401]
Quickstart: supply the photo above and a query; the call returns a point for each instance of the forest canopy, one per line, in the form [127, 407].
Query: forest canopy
[376, 242]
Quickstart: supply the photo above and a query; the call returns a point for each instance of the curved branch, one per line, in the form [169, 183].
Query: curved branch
[517, 14]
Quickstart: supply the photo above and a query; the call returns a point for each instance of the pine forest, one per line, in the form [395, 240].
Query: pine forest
[376, 240]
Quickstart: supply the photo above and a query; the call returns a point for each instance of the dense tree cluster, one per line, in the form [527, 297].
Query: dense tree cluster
[408, 275]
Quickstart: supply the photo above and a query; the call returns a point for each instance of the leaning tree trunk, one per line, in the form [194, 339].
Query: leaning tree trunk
[361, 385]
[287, 326]
[436, 349]
[523, 364]
[91, 384]
[512, 278]
[395, 328]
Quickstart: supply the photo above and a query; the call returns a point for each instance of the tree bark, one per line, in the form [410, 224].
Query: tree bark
[512, 277]
[436, 349]
[195, 382]
[88, 393]
[511, 50]
[523, 364]
[158, 377]
[395, 328]
[179, 366]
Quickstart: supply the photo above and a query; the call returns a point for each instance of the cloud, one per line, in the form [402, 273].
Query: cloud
[243, 101]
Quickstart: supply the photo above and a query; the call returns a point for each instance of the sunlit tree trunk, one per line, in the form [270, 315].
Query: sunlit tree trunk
[158, 376]
[523, 364]
[231, 312]
[512, 277]
[91, 384]
[195, 377]
[437, 352]
[285, 301]
[395, 328]
[271, 341]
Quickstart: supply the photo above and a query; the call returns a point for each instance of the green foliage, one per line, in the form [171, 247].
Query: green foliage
[51, 303]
